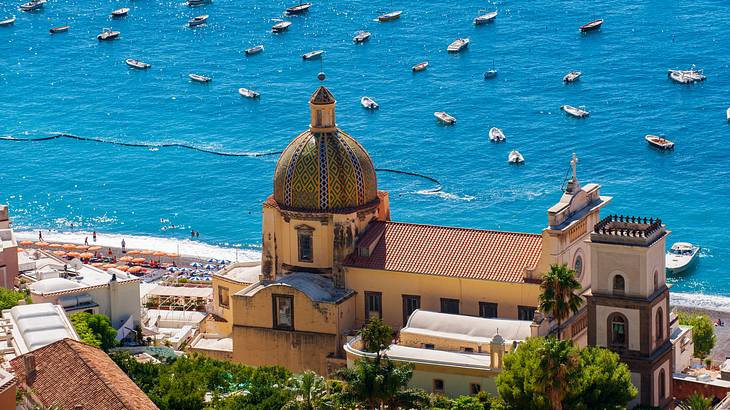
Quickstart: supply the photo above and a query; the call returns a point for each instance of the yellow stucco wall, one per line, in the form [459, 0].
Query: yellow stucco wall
[225, 312]
[455, 384]
[609, 260]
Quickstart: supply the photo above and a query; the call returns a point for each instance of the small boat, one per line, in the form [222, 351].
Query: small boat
[245, 92]
[572, 76]
[313, 54]
[593, 25]
[255, 50]
[393, 15]
[7, 22]
[574, 111]
[369, 103]
[281, 26]
[299, 8]
[137, 64]
[107, 34]
[197, 21]
[60, 29]
[490, 74]
[445, 118]
[727, 114]
[120, 12]
[680, 77]
[32, 5]
[496, 135]
[199, 78]
[485, 18]
[458, 45]
[361, 37]
[419, 67]
[195, 3]
[681, 257]
[659, 142]
[515, 157]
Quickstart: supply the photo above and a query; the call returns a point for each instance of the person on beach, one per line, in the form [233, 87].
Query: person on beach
[93, 234]
[86, 241]
[192, 233]
[40, 236]
[124, 246]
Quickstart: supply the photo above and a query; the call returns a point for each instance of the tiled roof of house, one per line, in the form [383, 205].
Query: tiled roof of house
[70, 373]
[446, 251]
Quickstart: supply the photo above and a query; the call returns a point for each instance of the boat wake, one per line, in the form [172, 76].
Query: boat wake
[445, 195]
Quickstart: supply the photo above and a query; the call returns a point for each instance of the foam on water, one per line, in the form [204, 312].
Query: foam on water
[700, 301]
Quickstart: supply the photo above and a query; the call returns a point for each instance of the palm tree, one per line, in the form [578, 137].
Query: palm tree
[558, 297]
[375, 382]
[558, 359]
[696, 401]
[308, 392]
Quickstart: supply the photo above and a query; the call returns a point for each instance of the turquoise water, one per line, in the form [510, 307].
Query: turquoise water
[72, 83]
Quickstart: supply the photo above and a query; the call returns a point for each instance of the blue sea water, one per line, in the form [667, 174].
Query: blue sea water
[73, 83]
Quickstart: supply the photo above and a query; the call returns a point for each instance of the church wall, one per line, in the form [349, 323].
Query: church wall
[667, 366]
[636, 381]
[221, 310]
[632, 315]
[455, 384]
[636, 264]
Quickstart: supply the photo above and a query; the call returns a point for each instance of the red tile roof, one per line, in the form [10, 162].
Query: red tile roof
[446, 251]
[70, 373]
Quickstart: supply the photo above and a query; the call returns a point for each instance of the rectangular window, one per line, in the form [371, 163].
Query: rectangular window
[475, 388]
[410, 304]
[438, 386]
[467, 349]
[283, 312]
[373, 305]
[450, 306]
[223, 299]
[429, 346]
[526, 312]
[305, 245]
[487, 309]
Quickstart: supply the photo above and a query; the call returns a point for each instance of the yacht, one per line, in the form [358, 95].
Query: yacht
[393, 15]
[361, 37]
[107, 34]
[485, 18]
[458, 45]
[255, 50]
[7, 22]
[369, 103]
[496, 135]
[281, 26]
[245, 92]
[313, 54]
[572, 76]
[197, 21]
[574, 111]
[681, 257]
[445, 118]
[137, 64]
[659, 142]
[515, 157]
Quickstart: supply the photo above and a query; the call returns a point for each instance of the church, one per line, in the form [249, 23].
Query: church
[332, 257]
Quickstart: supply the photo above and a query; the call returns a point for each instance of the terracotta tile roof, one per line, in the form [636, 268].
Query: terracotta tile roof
[70, 373]
[446, 251]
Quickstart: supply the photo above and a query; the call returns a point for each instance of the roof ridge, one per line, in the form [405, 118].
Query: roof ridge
[460, 228]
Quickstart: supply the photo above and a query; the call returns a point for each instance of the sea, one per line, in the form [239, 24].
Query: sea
[154, 195]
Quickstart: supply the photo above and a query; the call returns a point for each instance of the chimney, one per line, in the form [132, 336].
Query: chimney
[30, 368]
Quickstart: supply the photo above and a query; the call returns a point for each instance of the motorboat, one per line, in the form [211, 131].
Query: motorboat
[659, 142]
[313, 54]
[32, 5]
[197, 21]
[420, 66]
[490, 74]
[458, 45]
[393, 15]
[195, 3]
[515, 157]
[120, 12]
[7, 22]
[369, 103]
[361, 37]
[299, 8]
[141, 65]
[496, 135]
[59, 29]
[574, 111]
[572, 76]
[727, 114]
[687, 76]
[199, 78]
[245, 92]
[255, 50]
[108, 34]
[485, 18]
[680, 77]
[593, 25]
[445, 118]
[681, 257]
[281, 26]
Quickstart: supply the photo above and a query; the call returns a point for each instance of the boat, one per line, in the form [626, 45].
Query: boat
[299, 8]
[137, 64]
[195, 3]
[255, 50]
[485, 18]
[420, 66]
[107, 34]
[681, 257]
[490, 74]
[313, 54]
[7, 22]
[32, 5]
[659, 142]
[593, 25]
[199, 78]
[393, 15]
[361, 37]
[120, 12]
[458, 45]
[369, 103]
[575, 111]
[245, 92]
[280, 26]
[572, 76]
[496, 135]
[687, 76]
[727, 114]
[515, 157]
[445, 118]
[197, 21]
[59, 29]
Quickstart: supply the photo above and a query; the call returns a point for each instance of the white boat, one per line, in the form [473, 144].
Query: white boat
[369, 103]
[199, 78]
[137, 64]
[691, 74]
[313, 54]
[727, 114]
[7, 22]
[490, 74]
[444, 117]
[681, 257]
[393, 15]
[458, 45]
[245, 92]
[32, 5]
[485, 18]
[299, 8]
[515, 157]
[107, 34]
[361, 37]
[680, 77]
[255, 50]
[496, 135]
[574, 111]
[420, 66]
[120, 12]
[196, 21]
[659, 142]
[572, 76]
[195, 3]
[281, 26]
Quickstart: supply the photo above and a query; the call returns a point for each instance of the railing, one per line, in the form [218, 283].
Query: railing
[629, 226]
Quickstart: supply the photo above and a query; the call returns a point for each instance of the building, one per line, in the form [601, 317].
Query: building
[26, 328]
[8, 251]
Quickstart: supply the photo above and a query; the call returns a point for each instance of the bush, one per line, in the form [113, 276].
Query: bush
[10, 298]
[703, 332]
[94, 330]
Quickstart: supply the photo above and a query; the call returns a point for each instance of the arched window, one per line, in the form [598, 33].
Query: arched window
[619, 329]
[659, 324]
[662, 385]
[578, 266]
[619, 285]
[656, 280]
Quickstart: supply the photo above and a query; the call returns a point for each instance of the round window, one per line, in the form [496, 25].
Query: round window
[578, 266]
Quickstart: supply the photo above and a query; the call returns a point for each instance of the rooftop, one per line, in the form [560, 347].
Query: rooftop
[241, 272]
[52, 275]
[37, 325]
[317, 287]
[628, 230]
[466, 328]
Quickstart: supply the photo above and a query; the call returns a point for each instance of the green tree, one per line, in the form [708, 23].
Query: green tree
[374, 383]
[94, 330]
[696, 401]
[10, 298]
[466, 403]
[703, 332]
[558, 361]
[308, 391]
[604, 382]
[375, 335]
[558, 297]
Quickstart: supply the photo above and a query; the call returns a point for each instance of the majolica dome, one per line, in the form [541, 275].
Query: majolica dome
[324, 169]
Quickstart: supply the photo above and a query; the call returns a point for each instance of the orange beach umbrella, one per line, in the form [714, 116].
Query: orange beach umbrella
[94, 248]
[133, 252]
[59, 253]
[26, 243]
[73, 254]
[41, 244]
[139, 260]
[158, 253]
[68, 246]
[87, 255]
[173, 255]
[55, 245]
[146, 252]
[81, 247]
[123, 268]
[134, 269]
[126, 259]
